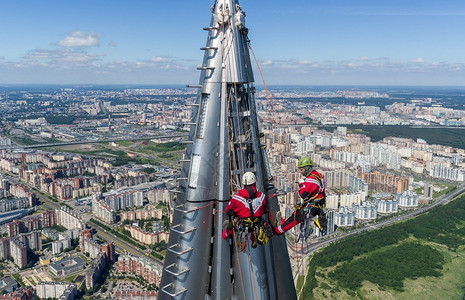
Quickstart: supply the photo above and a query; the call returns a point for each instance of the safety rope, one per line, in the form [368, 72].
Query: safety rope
[238, 262]
[236, 100]
[274, 122]
[239, 123]
[251, 270]
[274, 118]
[229, 144]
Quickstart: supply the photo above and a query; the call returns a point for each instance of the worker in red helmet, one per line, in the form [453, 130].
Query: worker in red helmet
[312, 191]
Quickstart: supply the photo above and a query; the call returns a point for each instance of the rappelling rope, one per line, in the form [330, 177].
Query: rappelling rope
[274, 118]
[274, 122]
[229, 155]
[251, 270]
[239, 123]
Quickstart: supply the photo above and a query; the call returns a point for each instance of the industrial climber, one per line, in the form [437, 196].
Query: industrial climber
[312, 191]
[246, 210]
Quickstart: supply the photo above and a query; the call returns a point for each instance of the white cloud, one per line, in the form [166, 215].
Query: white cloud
[267, 63]
[63, 58]
[112, 44]
[364, 58]
[369, 66]
[81, 39]
[158, 59]
[65, 63]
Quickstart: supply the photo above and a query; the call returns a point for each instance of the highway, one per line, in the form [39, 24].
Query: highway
[125, 138]
[315, 245]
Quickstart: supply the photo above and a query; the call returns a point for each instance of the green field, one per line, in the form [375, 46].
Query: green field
[422, 258]
[165, 153]
[145, 152]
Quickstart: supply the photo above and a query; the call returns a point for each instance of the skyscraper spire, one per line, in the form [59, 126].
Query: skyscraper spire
[224, 143]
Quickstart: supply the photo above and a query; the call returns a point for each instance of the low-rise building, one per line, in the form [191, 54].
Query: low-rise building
[141, 214]
[23, 293]
[67, 266]
[8, 285]
[147, 238]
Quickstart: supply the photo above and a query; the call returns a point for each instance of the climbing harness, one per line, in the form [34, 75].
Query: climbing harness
[258, 230]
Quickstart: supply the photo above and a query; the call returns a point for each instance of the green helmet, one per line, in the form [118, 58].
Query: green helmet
[305, 161]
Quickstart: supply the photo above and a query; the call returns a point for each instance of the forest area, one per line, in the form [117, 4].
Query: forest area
[387, 257]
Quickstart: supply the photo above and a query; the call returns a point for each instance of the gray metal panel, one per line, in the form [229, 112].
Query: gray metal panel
[196, 262]
[251, 267]
[278, 259]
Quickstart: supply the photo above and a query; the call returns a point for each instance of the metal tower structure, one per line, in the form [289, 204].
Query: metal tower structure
[224, 143]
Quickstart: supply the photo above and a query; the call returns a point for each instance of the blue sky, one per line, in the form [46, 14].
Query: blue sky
[324, 42]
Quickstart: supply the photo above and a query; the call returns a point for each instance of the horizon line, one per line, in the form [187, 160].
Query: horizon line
[186, 85]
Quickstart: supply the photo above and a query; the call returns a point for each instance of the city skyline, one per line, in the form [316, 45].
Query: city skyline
[364, 43]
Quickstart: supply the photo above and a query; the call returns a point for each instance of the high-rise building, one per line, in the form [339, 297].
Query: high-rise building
[68, 219]
[18, 252]
[366, 211]
[344, 217]
[407, 199]
[16, 227]
[56, 290]
[428, 190]
[4, 248]
[386, 182]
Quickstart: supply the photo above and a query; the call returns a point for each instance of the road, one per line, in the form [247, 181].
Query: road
[320, 243]
[49, 203]
[122, 245]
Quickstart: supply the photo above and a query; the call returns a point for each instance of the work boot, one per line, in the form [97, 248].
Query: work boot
[321, 223]
[317, 223]
[323, 220]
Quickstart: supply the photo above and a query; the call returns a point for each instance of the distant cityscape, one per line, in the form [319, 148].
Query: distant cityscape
[87, 174]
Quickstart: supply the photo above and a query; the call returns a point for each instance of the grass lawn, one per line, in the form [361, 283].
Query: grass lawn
[71, 278]
[448, 286]
[146, 152]
[125, 143]
[300, 282]
[450, 188]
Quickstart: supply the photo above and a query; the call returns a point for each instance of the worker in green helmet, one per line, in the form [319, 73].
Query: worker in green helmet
[312, 191]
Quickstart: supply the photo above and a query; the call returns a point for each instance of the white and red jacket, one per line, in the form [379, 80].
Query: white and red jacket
[313, 187]
[239, 203]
